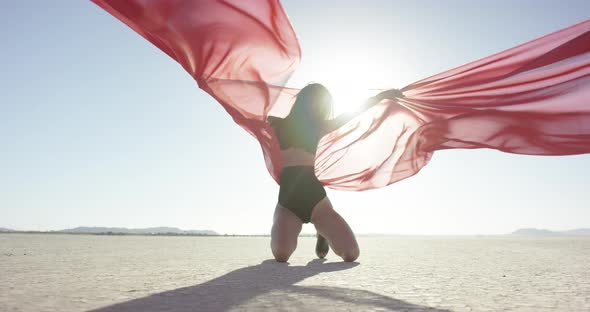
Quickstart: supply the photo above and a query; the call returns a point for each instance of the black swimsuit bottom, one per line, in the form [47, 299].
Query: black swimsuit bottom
[300, 191]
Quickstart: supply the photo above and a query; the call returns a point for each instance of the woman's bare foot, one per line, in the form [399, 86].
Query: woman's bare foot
[322, 246]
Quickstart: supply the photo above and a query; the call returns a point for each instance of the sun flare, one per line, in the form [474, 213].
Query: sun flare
[351, 77]
[347, 97]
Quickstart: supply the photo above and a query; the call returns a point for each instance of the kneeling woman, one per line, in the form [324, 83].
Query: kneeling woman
[302, 198]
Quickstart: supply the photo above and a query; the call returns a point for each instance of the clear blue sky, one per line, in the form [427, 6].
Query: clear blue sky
[100, 128]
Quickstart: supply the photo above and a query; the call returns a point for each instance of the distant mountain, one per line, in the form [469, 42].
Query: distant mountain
[544, 232]
[534, 232]
[577, 232]
[153, 230]
[5, 230]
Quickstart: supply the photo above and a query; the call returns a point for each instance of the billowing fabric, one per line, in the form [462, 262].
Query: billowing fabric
[531, 99]
[240, 52]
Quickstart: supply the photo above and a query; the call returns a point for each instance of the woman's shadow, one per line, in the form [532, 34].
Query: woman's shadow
[268, 286]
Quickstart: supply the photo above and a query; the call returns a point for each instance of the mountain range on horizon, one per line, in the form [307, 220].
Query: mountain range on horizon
[150, 230]
[122, 230]
[545, 232]
[177, 231]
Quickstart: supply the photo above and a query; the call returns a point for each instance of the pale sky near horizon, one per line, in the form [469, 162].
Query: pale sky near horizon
[100, 128]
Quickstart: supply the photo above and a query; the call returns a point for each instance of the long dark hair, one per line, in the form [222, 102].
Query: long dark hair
[312, 107]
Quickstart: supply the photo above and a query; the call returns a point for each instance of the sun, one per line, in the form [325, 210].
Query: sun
[348, 87]
[352, 74]
[347, 96]
[350, 78]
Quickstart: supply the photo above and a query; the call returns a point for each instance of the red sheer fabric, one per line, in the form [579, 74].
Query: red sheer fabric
[240, 52]
[531, 99]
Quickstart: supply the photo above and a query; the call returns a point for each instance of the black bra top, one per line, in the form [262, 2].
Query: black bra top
[302, 137]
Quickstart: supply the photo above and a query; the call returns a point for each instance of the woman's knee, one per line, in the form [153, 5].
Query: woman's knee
[282, 252]
[351, 254]
[281, 255]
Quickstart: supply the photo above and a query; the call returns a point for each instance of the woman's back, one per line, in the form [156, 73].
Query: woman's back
[293, 135]
[309, 120]
[298, 142]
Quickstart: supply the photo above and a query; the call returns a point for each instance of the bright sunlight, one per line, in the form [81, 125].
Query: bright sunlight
[351, 75]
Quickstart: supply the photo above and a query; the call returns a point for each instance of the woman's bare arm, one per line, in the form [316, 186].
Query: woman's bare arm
[346, 117]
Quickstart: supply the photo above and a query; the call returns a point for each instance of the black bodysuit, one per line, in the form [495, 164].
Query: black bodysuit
[300, 189]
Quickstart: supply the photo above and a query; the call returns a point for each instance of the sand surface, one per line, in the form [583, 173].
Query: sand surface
[140, 273]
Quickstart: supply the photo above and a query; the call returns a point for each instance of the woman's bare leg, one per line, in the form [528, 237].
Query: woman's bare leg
[283, 236]
[333, 227]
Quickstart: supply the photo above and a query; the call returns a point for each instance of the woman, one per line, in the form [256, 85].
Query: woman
[302, 198]
[530, 99]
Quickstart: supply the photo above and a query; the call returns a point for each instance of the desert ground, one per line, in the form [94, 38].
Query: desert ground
[40, 272]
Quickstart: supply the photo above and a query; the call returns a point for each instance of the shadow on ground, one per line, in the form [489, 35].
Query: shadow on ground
[268, 286]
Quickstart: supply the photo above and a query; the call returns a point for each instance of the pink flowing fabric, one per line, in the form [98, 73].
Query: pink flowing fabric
[531, 99]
